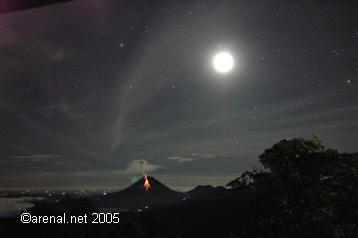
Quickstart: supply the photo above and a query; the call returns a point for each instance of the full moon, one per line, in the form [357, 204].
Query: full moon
[223, 62]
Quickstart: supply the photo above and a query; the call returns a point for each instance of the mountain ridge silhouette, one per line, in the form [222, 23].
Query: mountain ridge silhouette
[136, 197]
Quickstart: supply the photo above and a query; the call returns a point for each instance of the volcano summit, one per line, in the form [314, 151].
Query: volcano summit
[137, 196]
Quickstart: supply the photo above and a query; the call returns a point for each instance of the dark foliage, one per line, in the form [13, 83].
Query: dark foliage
[305, 190]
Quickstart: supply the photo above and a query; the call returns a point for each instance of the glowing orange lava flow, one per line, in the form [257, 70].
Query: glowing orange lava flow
[146, 183]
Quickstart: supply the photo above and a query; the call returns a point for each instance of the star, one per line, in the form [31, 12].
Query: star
[335, 52]
[146, 28]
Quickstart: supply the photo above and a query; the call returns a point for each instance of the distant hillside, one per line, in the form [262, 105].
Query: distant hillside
[207, 192]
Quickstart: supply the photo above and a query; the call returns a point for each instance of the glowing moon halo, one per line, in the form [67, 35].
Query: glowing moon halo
[223, 62]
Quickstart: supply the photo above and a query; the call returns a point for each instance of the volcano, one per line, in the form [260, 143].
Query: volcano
[156, 186]
[136, 197]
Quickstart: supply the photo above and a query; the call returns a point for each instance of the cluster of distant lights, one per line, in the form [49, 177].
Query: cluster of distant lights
[55, 193]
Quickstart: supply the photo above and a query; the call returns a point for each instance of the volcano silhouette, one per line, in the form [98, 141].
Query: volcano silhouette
[156, 186]
[135, 196]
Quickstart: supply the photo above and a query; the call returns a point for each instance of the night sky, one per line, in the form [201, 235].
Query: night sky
[89, 88]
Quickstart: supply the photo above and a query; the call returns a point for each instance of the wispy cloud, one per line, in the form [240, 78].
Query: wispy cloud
[194, 156]
[34, 157]
[137, 166]
[179, 159]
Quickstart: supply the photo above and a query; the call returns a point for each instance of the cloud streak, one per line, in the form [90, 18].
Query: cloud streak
[35, 157]
[179, 159]
[194, 156]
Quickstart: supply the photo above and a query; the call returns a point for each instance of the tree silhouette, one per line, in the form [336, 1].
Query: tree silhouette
[304, 190]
